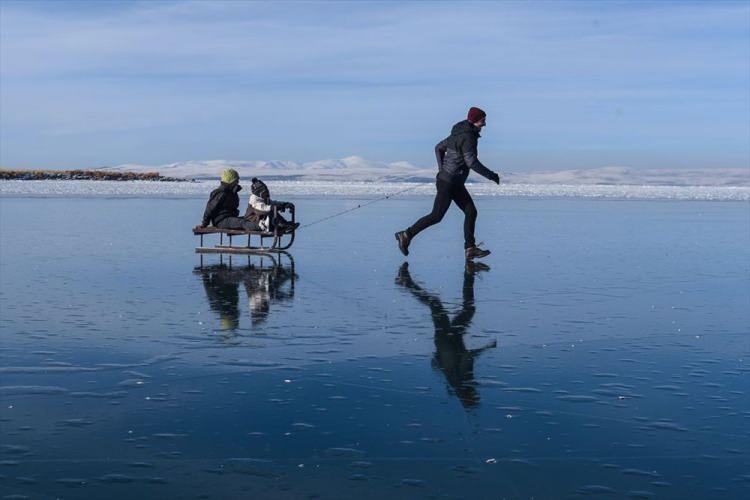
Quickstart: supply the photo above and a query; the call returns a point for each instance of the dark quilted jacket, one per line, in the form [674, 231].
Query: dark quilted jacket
[457, 153]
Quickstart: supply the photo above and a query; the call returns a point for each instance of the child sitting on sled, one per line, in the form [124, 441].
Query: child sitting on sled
[260, 209]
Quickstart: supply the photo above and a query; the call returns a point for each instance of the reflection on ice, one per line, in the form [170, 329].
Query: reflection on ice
[265, 279]
[451, 355]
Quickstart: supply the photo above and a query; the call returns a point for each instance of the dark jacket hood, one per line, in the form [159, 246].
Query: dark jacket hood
[464, 127]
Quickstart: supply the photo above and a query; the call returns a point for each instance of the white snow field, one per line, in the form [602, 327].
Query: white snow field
[355, 176]
[200, 189]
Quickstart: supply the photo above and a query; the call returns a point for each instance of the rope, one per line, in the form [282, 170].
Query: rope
[361, 205]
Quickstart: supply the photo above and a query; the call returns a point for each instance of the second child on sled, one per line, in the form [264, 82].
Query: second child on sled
[260, 210]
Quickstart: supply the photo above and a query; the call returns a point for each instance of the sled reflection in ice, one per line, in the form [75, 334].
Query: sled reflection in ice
[451, 355]
[266, 279]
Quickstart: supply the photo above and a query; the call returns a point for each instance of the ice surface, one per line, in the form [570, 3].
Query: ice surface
[602, 351]
[200, 189]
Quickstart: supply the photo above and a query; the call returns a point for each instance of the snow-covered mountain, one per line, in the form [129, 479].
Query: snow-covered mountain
[621, 176]
[352, 168]
[357, 169]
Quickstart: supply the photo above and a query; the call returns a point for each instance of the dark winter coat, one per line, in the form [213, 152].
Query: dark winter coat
[457, 153]
[224, 202]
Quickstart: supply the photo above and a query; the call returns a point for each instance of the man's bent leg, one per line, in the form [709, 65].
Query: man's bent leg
[442, 202]
[463, 199]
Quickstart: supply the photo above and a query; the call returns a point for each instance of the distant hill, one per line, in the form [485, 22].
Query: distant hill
[84, 175]
[357, 169]
[352, 168]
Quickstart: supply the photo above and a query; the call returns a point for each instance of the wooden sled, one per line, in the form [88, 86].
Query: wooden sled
[280, 242]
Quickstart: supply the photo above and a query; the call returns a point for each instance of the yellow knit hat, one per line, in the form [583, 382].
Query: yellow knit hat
[229, 176]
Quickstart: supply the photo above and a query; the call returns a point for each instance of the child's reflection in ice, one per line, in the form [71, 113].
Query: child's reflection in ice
[263, 285]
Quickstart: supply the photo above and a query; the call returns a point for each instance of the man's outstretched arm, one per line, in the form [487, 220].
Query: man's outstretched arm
[471, 160]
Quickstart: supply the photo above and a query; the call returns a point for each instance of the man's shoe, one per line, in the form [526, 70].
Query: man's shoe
[476, 253]
[403, 242]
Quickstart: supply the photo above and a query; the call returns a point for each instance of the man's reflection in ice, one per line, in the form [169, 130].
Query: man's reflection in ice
[451, 355]
[265, 280]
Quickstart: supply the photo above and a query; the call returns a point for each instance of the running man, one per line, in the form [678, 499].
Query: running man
[455, 154]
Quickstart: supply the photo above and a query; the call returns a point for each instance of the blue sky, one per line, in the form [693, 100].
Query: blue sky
[565, 84]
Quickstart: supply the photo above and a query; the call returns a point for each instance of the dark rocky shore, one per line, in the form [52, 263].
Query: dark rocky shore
[86, 175]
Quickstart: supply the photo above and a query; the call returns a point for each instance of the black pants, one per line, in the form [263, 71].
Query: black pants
[447, 192]
[237, 223]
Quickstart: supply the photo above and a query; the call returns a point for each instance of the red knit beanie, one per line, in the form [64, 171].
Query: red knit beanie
[476, 115]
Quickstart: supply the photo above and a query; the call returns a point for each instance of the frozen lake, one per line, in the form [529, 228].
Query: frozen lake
[603, 351]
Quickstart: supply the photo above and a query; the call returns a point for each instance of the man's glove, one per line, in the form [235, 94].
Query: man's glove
[495, 177]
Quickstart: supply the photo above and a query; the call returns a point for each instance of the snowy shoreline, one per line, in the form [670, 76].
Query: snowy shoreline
[200, 189]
